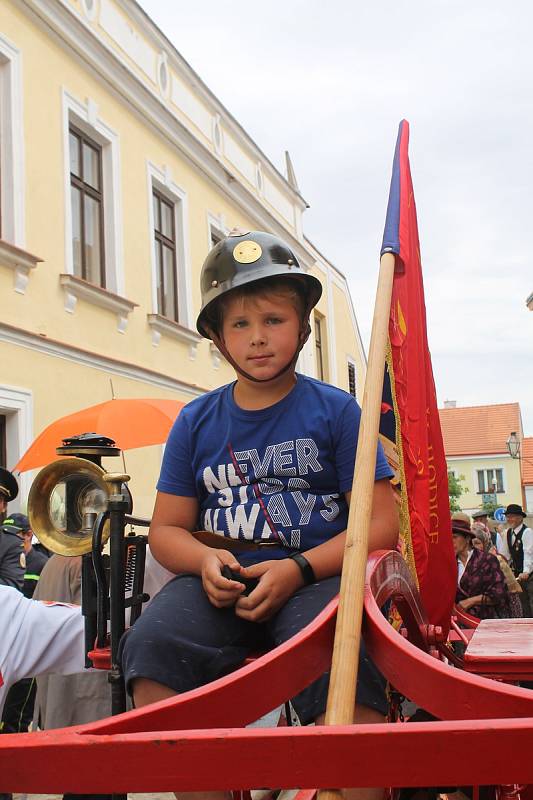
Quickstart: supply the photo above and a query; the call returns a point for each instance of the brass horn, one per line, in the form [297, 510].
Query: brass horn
[64, 501]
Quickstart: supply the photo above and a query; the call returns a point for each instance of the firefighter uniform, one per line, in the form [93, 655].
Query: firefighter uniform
[9, 489]
[35, 559]
[12, 557]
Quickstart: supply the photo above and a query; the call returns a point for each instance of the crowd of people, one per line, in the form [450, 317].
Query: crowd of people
[494, 564]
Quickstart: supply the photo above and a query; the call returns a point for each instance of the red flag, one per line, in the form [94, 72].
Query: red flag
[410, 419]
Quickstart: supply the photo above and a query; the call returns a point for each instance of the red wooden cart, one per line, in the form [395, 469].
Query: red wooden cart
[162, 748]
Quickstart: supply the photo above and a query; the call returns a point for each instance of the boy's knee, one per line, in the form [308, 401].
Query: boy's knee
[364, 715]
[146, 691]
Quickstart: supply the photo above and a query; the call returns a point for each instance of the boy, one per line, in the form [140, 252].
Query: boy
[261, 470]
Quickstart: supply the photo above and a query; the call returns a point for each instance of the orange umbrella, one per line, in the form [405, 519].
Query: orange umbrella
[131, 423]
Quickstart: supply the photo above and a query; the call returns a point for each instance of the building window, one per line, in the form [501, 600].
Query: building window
[87, 208]
[165, 256]
[319, 346]
[216, 229]
[215, 236]
[11, 145]
[352, 387]
[172, 304]
[486, 479]
[16, 433]
[93, 216]
[3, 445]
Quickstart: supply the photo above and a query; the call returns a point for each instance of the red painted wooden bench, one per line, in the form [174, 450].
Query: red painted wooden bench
[501, 648]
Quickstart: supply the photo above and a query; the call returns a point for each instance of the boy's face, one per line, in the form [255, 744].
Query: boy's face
[261, 333]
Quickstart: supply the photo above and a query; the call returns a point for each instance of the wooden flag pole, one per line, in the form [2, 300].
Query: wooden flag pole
[342, 686]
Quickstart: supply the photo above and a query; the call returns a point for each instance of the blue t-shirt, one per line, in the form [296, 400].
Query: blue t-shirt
[278, 474]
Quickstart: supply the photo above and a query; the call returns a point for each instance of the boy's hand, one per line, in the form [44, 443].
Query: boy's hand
[220, 591]
[278, 580]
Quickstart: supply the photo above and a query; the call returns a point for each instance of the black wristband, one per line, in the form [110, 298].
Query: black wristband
[305, 568]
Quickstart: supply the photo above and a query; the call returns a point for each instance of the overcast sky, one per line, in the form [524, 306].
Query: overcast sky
[330, 82]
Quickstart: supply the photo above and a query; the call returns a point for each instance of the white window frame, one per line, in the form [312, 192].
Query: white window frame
[85, 117]
[183, 330]
[216, 223]
[11, 145]
[528, 491]
[488, 490]
[161, 180]
[17, 405]
[315, 317]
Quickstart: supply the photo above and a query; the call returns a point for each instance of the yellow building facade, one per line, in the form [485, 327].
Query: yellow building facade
[500, 468]
[119, 169]
[477, 453]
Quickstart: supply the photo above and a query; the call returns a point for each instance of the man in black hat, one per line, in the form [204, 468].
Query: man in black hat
[518, 549]
[12, 558]
[35, 560]
[8, 490]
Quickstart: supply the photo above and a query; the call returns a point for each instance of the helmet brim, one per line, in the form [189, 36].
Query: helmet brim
[313, 291]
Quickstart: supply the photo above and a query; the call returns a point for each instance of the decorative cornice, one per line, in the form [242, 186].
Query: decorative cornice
[20, 261]
[86, 358]
[216, 355]
[480, 457]
[72, 30]
[163, 326]
[184, 70]
[77, 289]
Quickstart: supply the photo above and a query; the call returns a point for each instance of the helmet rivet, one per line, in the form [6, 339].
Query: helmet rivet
[290, 262]
[214, 284]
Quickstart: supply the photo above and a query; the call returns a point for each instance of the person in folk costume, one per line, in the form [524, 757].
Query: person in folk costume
[482, 541]
[481, 587]
[79, 696]
[518, 550]
[256, 477]
[481, 517]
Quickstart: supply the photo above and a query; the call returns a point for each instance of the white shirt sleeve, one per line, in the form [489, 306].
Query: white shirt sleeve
[505, 550]
[527, 541]
[499, 544]
[38, 638]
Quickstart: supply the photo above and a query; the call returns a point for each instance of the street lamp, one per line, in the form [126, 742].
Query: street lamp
[513, 445]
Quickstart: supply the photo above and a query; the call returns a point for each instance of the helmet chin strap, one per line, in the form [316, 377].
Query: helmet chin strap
[304, 335]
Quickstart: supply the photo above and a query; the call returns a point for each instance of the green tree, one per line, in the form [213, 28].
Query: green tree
[455, 490]
[490, 507]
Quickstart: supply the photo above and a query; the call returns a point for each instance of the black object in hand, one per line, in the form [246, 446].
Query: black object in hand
[249, 583]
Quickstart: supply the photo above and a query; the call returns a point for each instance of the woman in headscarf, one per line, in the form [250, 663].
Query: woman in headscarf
[481, 587]
[482, 541]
